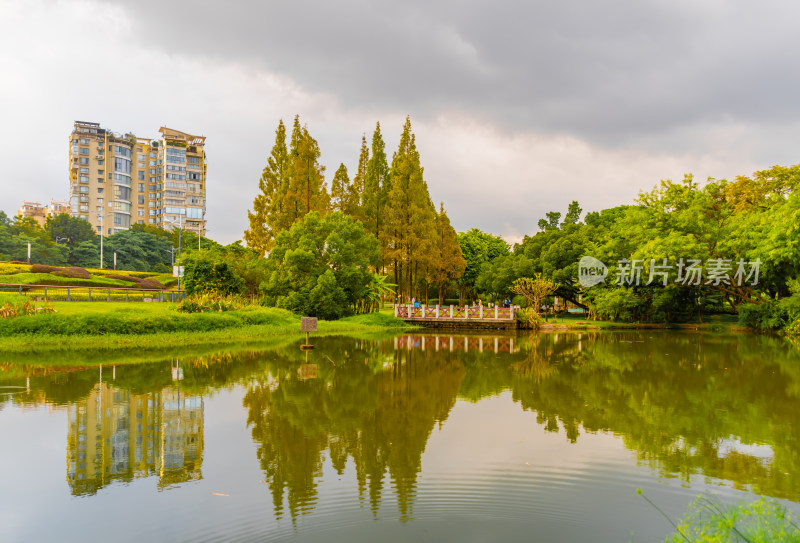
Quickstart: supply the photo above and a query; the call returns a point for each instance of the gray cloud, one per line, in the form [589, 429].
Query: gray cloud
[609, 71]
[518, 107]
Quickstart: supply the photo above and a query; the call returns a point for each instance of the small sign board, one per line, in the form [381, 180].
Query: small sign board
[308, 324]
[177, 271]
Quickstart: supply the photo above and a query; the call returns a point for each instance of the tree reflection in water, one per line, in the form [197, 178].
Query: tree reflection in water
[687, 404]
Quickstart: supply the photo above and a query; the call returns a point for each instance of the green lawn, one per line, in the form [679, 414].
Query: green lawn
[137, 324]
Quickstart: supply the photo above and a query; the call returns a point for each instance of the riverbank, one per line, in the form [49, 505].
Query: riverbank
[85, 325]
[713, 323]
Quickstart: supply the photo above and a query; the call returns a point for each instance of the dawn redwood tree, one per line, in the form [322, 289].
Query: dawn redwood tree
[448, 263]
[269, 214]
[410, 230]
[376, 183]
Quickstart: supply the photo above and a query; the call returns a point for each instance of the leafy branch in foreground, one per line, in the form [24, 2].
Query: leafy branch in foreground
[708, 521]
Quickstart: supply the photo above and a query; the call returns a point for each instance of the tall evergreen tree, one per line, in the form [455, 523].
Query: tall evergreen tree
[341, 193]
[449, 263]
[375, 188]
[306, 191]
[410, 228]
[357, 186]
[269, 216]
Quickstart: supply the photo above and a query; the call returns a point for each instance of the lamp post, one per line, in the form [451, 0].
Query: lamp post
[171, 252]
[180, 228]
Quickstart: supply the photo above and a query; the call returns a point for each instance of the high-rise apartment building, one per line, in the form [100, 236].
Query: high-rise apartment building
[119, 180]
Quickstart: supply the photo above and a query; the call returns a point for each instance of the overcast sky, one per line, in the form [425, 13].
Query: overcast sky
[519, 107]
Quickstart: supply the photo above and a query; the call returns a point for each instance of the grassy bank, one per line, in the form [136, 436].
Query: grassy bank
[91, 325]
[713, 323]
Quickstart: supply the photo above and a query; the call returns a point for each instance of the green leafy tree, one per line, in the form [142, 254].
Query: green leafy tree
[573, 215]
[71, 231]
[137, 250]
[205, 275]
[551, 223]
[322, 266]
[477, 248]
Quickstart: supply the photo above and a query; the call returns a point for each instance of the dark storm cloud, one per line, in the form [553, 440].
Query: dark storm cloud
[605, 71]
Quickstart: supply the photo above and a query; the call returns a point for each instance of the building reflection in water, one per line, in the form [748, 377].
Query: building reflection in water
[116, 435]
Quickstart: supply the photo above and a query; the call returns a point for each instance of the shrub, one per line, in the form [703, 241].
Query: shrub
[50, 279]
[22, 306]
[765, 316]
[42, 268]
[205, 303]
[74, 272]
[7, 268]
[130, 278]
[761, 521]
[206, 276]
[150, 284]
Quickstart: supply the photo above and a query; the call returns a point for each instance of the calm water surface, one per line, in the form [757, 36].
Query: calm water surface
[419, 437]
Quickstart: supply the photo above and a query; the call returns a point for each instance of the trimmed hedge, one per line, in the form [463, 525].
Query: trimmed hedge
[73, 272]
[140, 324]
[54, 280]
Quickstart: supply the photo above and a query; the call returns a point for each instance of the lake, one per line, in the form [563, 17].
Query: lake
[411, 437]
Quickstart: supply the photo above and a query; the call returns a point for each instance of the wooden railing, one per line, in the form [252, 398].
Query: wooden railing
[53, 293]
[479, 312]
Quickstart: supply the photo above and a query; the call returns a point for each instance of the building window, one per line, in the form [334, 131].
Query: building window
[84, 150]
[99, 179]
[84, 142]
[99, 172]
[84, 179]
[84, 161]
[141, 175]
[84, 190]
[122, 193]
[122, 166]
[141, 187]
[84, 170]
[99, 162]
[99, 190]
[141, 199]
[122, 179]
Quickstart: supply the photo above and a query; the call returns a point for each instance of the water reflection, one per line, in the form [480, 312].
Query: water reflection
[720, 406]
[116, 435]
